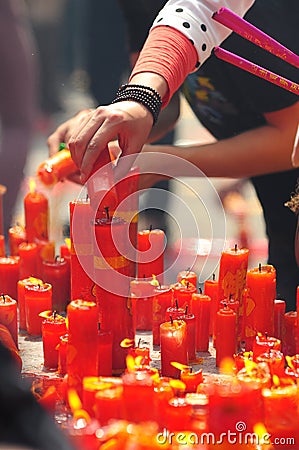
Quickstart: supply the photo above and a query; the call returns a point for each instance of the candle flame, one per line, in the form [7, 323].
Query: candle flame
[50, 315]
[154, 281]
[127, 343]
[289, 362]
[275, 380]
[227, 366]
[261, 431]
[130, 361]
[76, 406]
[32, 185]
[179, 366]
[68, 243]
[177, 384]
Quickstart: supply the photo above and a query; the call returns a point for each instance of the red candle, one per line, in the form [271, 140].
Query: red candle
[28, 259]
[81, 250]
[279, 312]
[16, 235]
[173, 342]
[62, 350]
[178, 415]
[289, 336]
[263, 343]
[138, 396]
[191, 379]
[57, 273]
[109, 402]
[82, 349]
[36, 215]
[142, 304]
[232, 273]
[9, 275]
[226, 337]
[281, 415]
[21, 298]
[127, 208]
[38, 298]
[56, 167]
[259, 308]
[201, 307]
[173, 312]
[211, 289]
[45, 252]
[191, 334]
[2, 245]
[187, 275]
[112, 276]
[182, 294]
[8, 316]
[163, 299]
[105, 341]
[150, 255]
[53, 327]
[275, 361]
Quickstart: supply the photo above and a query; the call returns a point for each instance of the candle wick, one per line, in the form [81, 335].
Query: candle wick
[57, 258]
[200, 290]
[171, 320]
[187, 284]
[139, 342]
[188, 271]
[224, 304]
[236, 247]
[260, 267]
[186, 310]
[150, 227]
[3, 297]
[230, 296]
[176, 304]
[266, 335]
[99, 326]
[54, 314]
[87, 197]
[107, 212]
[213, 277]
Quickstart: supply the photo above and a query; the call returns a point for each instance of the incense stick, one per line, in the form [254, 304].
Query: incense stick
[257, 70]
[255, 35]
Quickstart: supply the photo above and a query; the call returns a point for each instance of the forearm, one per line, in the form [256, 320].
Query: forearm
[255, 152]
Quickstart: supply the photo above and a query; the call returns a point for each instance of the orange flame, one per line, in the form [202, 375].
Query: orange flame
[127, 343]
[179, 366]
[32, 185]
[68, 243]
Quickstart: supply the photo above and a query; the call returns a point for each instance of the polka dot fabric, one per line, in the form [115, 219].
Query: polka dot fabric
[193, 18]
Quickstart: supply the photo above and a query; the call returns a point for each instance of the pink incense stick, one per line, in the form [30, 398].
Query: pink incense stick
[259, 71]
[255, 35]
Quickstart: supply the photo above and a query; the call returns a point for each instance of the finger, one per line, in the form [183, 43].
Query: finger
[79, 138]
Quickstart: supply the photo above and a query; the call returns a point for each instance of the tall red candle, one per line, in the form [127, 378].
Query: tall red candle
[259, 308]
[163, 299]
[211, 289]
[57, 273]
[28, 259]
[45, 252]
[289, 336]
[201, 308]
[189, 318]
[150, 255]
[142, 304]
[53, 327]
[279, 312]
[36, 215]
[21, 298]
[2, 245]
[232, 273]
[82, 349]
[82, 285]
[263, 343]
[112, 276]
[16, 235]
[226, 337]
[8, 316]
[62, 350]
[173, 342]
[38, 298]
[105, 342]
[9, 275]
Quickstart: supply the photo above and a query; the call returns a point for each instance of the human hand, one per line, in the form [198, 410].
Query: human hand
[129, 122]
[65, 130]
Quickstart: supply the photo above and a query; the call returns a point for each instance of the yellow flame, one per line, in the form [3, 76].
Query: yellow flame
[177, 384]
[130, 361]
[68, 243]
[50, 315]
[76, 406]
[261, 431]
[32, 185]
[227, 366]
[289, 362]
[113, 443]
[127, 343]
[154, 281]
[249, 364]
[179, 366]
[275, 380]
[138, 360]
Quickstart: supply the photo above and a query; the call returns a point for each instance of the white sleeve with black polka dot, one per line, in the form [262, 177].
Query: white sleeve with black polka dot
[194, 19]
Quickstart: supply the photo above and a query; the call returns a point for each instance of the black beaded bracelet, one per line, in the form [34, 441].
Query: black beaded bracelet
[145, 95]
